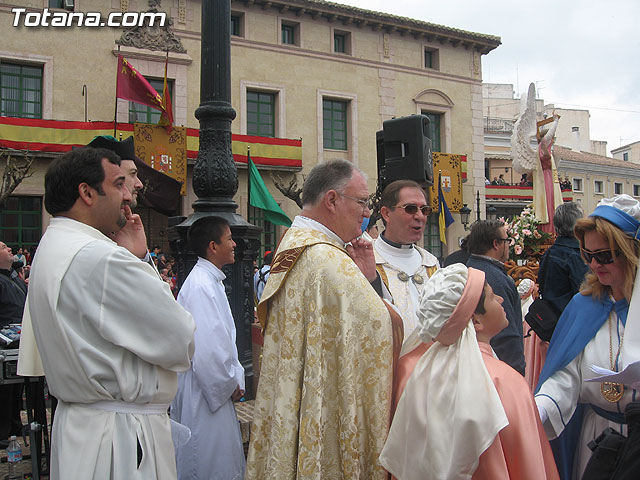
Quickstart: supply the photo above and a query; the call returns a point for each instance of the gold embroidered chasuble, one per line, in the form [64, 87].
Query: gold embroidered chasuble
[323, 404]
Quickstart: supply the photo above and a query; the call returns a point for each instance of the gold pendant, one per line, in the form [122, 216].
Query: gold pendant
[417, 279]
[612, 392]
[403, 277]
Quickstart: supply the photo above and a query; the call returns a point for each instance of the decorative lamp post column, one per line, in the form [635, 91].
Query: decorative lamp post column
[215, 178]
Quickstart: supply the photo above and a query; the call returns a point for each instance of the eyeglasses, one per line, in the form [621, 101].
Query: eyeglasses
[603, 257]
[412, 209]
[363, 203]
[503, 240]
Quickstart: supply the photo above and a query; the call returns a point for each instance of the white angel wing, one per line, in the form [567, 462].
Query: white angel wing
[524, 157]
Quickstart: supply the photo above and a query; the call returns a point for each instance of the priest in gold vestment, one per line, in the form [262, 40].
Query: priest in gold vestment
[324, 401]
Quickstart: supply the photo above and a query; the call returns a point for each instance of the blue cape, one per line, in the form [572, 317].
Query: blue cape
[578, 324]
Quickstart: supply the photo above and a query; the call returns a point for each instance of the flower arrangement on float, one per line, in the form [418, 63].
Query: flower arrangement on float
[526, 239]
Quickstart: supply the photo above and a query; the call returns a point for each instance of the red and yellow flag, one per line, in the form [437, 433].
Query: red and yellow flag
[131, 85]
[166, 119]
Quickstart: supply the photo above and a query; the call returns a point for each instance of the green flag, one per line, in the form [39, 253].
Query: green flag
[261, 198]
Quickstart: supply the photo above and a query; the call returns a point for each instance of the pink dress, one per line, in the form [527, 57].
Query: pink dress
[521, 449]
[544, 152]
[535, 352]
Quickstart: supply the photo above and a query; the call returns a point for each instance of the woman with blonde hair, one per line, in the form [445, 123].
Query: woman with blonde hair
[595, 328]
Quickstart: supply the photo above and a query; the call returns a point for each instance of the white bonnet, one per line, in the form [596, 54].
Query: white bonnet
[439, 298]
[624, 202]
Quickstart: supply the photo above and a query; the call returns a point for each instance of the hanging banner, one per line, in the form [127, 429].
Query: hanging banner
[162, 151]
[449, 167]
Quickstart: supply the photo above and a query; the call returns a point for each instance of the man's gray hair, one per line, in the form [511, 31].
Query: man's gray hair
[565, 218]
[331, 175]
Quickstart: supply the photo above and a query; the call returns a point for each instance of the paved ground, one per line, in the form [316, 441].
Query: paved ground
[243, 409]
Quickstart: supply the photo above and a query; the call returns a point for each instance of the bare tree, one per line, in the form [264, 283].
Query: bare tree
[291, 191]
[17, 168]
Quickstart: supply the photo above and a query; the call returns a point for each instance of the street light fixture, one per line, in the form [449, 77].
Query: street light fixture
[465, 212]
[492, 212]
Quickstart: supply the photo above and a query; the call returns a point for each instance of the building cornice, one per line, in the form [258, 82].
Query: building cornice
[284, 49]
[592, 168]
[377, 21]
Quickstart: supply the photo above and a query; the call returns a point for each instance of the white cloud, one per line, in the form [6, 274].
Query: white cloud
[582, 54]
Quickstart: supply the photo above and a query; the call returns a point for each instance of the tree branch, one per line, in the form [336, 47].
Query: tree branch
[291, 191]
[15, 171]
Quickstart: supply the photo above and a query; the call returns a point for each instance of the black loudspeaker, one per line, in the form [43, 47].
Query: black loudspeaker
[404, 150]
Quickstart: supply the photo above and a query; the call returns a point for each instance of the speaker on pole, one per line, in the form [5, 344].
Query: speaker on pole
[404, 150]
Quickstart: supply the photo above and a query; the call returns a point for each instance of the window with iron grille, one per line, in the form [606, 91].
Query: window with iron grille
[288, 34]
[339, 43]
[431, 58]
[577, 184]
[617, 188]
[21, 222]
[598, 186]
[261, 119]
[20, 90]
[334, 122]
[235, 25]
[434, 130]
[268, 238]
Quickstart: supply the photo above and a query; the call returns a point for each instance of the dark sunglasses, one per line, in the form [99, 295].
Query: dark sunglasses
[412, 209]
[603, 257]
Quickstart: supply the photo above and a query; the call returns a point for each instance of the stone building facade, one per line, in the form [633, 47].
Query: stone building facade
[300, 69]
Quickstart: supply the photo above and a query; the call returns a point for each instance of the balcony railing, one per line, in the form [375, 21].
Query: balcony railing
[498, 125]
[518, 193]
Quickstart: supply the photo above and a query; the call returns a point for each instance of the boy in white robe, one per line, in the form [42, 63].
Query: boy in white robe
[206, 392]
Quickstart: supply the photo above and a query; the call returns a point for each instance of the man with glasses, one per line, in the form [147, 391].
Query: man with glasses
[488, 244]
[403, 266]
[324, 400]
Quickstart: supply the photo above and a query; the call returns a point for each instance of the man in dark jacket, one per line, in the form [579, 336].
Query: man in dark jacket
[488, 245]
[561, 267]
[12, 298]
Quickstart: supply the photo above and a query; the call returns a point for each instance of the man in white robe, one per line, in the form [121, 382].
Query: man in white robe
[206, 391]
[404, 266]
[112, 366]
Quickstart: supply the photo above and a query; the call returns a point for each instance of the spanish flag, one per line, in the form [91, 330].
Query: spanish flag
[444, 218]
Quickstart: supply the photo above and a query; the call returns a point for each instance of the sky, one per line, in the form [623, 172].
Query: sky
[583, 55]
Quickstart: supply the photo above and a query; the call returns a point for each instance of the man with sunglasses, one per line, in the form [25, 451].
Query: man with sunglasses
[488, 244]
[403, 266]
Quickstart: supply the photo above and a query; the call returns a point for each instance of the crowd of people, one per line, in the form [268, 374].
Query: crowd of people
[526, 181]
[376, 360]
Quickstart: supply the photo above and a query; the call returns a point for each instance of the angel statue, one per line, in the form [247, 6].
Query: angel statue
[546, 187]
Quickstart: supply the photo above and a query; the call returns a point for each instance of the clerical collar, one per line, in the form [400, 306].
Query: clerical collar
[394, 244]
[301, 221]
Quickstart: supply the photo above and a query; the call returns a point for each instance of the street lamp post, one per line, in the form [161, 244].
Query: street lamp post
[215, 177]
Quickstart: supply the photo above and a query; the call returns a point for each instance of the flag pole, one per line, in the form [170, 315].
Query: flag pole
[115, 110]
[248, 181]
